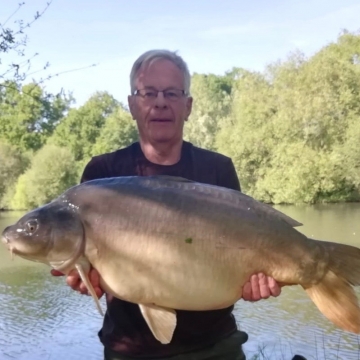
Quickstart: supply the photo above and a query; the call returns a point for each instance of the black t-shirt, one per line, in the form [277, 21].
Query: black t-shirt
[124, 329]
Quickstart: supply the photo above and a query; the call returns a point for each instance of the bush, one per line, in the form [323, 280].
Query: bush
[52, 171]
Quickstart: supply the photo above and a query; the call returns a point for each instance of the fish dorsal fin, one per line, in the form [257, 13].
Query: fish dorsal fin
[292, 222]
[161, 321]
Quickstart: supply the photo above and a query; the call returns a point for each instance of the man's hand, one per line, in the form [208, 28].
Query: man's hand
[75, 282]
[260, 287]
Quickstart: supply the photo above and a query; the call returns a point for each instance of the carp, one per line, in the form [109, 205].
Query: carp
[168, 243]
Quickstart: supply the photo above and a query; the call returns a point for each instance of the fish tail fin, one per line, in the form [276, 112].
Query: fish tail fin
[334, 295]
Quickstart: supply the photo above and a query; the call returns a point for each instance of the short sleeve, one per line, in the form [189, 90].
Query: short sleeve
[227, 176]
[95, 169]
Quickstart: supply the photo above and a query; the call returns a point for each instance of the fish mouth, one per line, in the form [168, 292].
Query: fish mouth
[10, 247]
[5, 240]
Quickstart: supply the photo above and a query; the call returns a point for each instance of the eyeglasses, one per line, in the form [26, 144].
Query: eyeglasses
[151, 94]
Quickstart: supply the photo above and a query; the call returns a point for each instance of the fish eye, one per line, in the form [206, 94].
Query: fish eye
[31, 226]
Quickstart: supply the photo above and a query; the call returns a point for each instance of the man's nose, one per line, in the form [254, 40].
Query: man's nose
[160, 101]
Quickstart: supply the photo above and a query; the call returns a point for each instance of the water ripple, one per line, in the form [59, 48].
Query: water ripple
[291, 324]
[42, 318]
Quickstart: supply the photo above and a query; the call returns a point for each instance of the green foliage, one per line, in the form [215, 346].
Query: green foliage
[12, 164]
[248, 137]
[118, 131]
[295, 129]
[28, 116]
[211, 104]
[53, 170]
[79, 130]
[291, 175]
[349, 152]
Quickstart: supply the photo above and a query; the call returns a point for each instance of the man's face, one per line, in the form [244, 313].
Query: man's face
[160, 119]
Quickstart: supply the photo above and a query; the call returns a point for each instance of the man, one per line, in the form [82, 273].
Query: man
[160, 104]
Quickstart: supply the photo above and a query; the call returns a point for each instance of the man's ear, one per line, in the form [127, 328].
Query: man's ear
[131, 103]
[189, 102]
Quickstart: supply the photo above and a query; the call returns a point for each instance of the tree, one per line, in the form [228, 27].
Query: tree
[53, 170]
[293, 129]
[211, 106]
[80, 129]
[316, 97]
[12, 164]
[350, 152]
[247, 137]
[28, 116]
[292, 175]
[118, 131]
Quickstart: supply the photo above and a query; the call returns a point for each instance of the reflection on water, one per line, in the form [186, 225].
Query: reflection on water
[293, 325]
[41, 318]
[333, 222]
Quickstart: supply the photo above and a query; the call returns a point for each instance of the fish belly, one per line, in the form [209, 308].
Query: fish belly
[177, 275]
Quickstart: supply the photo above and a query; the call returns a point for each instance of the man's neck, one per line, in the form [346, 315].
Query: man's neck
[162, 153]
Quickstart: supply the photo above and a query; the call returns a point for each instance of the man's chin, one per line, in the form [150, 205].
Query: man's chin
[164, 137]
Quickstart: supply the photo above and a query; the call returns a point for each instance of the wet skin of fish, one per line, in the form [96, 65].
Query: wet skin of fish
[168, 243]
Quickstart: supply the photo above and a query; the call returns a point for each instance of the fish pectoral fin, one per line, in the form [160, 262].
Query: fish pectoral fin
[86, 281]
[161, 321]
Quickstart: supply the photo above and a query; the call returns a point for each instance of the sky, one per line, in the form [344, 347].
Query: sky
[211, 36]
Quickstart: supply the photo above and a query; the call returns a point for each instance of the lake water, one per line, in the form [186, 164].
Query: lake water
[42, 318]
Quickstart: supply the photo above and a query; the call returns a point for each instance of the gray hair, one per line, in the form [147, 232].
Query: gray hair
[152, 55]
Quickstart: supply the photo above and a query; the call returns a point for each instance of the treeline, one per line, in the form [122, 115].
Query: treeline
[293, 130]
